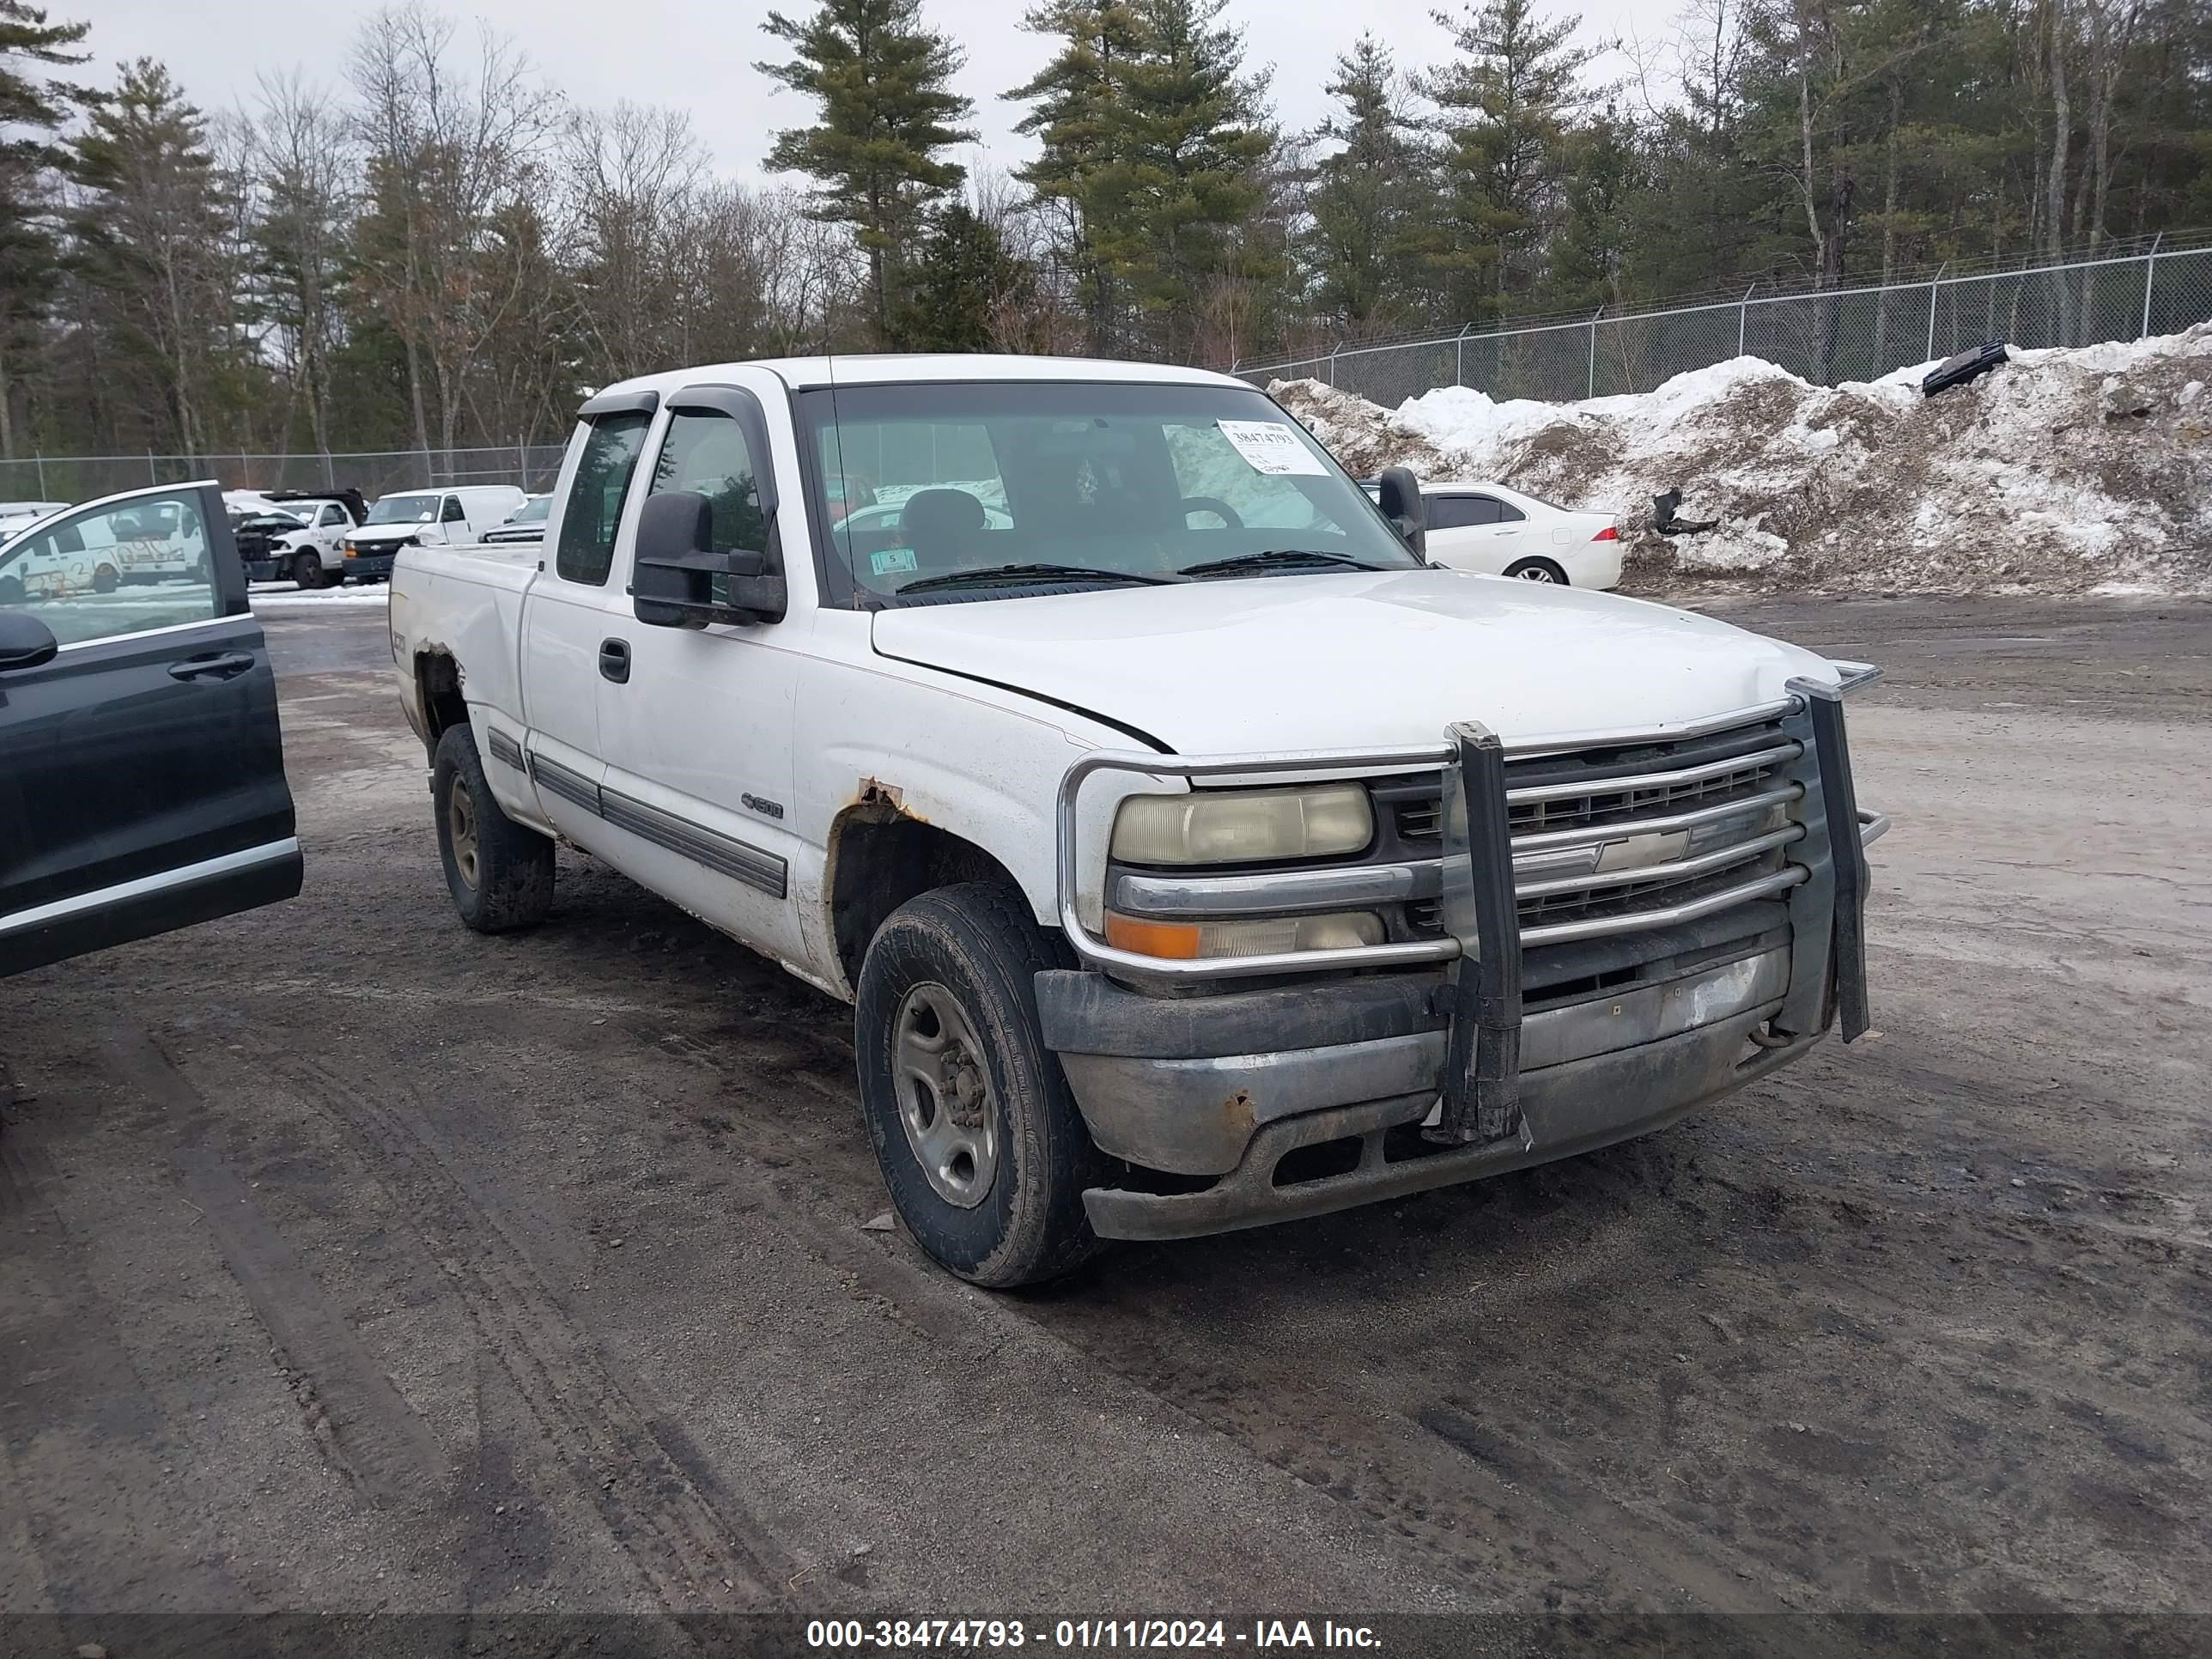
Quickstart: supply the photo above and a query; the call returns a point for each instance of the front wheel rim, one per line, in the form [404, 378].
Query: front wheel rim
[461, 833]
[945, 1101]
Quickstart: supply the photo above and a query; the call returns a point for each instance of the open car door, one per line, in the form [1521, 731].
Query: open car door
[141, 776]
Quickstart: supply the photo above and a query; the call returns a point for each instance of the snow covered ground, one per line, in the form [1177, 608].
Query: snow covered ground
[2075, 470]
[290, 600]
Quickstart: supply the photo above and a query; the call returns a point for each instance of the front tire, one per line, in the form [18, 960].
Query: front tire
[104, 579]
[500, 872]
[979, 1139]
[1537, 570]
[308, 571]
[11, 590]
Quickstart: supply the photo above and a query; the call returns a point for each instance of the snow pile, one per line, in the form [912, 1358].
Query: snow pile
[2064, 471]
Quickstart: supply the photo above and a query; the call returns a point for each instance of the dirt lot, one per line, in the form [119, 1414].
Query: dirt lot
[352, 1260]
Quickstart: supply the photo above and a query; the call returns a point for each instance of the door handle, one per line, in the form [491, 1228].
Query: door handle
[614, 660]
[227, 666]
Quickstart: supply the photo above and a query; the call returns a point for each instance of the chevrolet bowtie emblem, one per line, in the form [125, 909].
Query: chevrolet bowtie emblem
[1641, 852]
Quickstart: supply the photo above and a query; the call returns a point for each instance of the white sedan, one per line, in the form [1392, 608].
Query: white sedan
[1496, 531]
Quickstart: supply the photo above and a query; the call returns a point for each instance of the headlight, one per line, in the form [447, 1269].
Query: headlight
[1242, 826]
[1258, 936]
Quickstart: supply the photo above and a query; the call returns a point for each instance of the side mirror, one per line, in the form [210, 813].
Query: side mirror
[1398, 492]
[675, 572]
[24, 641]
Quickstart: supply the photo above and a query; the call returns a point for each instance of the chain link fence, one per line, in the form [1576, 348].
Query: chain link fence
[1844, 334]
[375, 473]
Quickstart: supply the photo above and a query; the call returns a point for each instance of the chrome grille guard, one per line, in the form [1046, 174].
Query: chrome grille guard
[1485, 925]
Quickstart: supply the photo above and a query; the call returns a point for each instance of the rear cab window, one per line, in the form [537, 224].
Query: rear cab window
[592, 514]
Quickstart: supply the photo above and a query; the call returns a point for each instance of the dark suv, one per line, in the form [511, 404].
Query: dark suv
[141, 776]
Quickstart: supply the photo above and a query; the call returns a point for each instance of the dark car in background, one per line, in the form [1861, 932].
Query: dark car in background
[142, 773]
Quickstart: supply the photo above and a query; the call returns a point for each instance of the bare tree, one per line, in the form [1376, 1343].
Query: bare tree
[451, 152]
[634, 178]
[307, 172]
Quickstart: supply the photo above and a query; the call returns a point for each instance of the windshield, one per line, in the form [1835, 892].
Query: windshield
[404, 509]
[938, 486]
[530, 512]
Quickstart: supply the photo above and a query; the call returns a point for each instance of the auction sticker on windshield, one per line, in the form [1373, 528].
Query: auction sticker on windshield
[1273, 449]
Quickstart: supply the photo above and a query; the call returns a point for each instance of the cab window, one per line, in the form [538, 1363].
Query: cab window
[594, 509]
[108, 571]
[452, 512]
[706, 452]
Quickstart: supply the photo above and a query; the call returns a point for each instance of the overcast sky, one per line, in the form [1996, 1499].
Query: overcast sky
[698, 54]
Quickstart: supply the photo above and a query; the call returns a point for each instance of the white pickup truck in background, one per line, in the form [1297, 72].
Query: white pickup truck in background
[1194, 855]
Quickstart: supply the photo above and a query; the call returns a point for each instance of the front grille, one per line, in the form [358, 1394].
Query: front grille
[1632, 789]
[1425, 917]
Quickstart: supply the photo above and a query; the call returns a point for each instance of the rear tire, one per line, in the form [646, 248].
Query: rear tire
[1537, 570]
[979, 1139]
[500, 872]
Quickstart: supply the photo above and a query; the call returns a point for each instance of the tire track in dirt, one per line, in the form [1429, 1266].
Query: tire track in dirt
[1479, 1505]
[357, 1416]
[695, 1552]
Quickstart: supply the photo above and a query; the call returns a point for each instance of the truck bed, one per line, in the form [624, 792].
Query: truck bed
[466, 602]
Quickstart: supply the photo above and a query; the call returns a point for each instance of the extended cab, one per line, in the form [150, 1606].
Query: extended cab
[1194, 855]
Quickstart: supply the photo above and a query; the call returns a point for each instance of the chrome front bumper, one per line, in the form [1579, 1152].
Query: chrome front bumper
[1571, 1109]
[1195, 1115]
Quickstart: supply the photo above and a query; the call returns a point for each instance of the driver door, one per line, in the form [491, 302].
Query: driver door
[696, 723]
[141, 776]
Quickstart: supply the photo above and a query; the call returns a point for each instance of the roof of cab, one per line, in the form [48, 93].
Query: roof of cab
[881, 368]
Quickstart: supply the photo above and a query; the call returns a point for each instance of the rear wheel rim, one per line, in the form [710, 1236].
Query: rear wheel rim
[1537, 573]
[945, 1101]
[461, 832]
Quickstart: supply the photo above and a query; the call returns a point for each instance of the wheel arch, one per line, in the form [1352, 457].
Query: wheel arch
[880, 856]
[439, 695]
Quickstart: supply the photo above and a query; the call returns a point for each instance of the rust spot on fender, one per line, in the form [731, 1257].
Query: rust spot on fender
[888, 800]
[1237, 1113]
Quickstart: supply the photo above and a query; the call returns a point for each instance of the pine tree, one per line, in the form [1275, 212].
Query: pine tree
[1604, 178]
[150, 234]
[1169, 208]
[31, 113]
[1506, 107]
[1366, 197]
[1075, 122]
[966, 287]
[883, 82]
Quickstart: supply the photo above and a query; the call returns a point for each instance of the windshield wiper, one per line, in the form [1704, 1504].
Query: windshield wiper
[1003, 575]
[1277, 557]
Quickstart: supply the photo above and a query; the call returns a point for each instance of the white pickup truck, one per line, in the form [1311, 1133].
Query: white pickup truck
[1193, 854]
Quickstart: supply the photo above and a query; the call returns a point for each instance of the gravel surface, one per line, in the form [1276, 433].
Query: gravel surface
[350, 1260]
